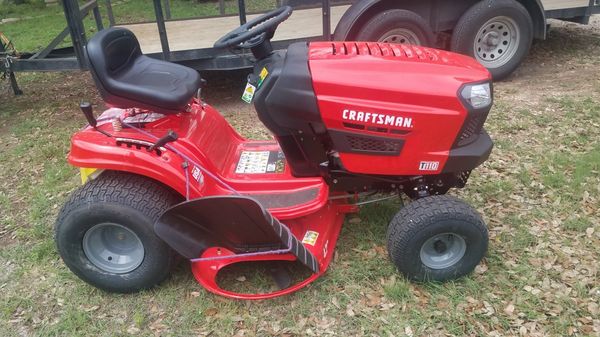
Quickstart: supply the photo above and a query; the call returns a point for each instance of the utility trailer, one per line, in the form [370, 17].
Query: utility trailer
[498, 33]
[184, 41]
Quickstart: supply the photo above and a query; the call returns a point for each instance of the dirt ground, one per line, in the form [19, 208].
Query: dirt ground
[539, 194]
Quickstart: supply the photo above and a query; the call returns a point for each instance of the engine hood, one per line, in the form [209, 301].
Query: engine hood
[389, 108]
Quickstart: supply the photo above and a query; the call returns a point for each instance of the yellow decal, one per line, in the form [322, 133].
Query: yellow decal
[263, 74]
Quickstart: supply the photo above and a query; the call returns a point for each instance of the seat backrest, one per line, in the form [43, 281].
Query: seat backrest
[110, 51]
[126, 78]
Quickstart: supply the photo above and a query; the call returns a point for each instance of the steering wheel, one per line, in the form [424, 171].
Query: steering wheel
[256, 30]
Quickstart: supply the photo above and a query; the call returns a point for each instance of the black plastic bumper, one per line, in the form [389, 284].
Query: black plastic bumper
[470, 156]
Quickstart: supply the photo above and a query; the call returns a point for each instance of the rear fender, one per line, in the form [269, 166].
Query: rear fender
[92, 150]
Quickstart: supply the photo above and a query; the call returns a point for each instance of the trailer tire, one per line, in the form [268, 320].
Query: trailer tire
[497, 33]
[104, 232]
[397, 26]
[437, 238]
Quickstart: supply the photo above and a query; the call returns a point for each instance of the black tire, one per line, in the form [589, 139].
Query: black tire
[429, 218]
[500, 50]
[397, 26]
[131, 201]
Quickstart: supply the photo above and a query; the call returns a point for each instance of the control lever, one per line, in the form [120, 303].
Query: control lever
[86, 108]
[171, 136]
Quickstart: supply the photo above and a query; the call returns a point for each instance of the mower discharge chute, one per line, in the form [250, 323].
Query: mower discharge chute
[167, 175]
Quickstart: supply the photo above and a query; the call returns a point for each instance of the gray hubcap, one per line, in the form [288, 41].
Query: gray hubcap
[497, 42]
[400, 35]
[443, 250]
[113, 248]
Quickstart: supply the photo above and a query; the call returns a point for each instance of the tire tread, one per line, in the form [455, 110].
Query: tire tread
[411, 219]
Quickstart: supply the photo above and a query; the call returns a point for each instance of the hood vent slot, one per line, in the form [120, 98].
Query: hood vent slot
[383, 49]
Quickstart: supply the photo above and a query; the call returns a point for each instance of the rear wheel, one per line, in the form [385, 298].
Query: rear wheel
[104, 233]
[437, 238]
[497, 33]
[397, 26]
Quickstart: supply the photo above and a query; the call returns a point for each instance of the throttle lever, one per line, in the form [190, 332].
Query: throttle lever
[171, 136]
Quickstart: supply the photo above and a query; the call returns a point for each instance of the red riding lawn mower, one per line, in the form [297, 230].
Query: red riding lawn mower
[165, 175]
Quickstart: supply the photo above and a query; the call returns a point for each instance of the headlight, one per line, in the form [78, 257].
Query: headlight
[477, 95]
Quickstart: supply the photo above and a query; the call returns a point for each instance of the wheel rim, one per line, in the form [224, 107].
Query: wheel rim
[401, 36]
[443, 250]
[497, 42]
[113, 248]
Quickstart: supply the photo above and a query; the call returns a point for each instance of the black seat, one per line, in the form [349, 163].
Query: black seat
[126, 78]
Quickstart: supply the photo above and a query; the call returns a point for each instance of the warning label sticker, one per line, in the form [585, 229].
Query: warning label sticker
[256, 162]
[310, 238]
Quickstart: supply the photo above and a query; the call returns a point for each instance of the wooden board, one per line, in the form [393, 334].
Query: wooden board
[202, 33]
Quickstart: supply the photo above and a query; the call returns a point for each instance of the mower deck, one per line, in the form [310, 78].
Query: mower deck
[318, 233]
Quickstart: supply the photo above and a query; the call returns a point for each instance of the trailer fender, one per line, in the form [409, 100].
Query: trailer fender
[538, 15]
[362, 9]
[351, 17]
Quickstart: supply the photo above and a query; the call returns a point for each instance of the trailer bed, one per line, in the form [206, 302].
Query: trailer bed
[202, 33]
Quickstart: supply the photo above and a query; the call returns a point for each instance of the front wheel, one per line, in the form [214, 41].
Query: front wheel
[104, 232]
[497, 33]
[397, 26]
[437, 238]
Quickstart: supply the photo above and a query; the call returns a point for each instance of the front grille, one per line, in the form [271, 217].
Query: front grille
[373, 145]
[471, 129]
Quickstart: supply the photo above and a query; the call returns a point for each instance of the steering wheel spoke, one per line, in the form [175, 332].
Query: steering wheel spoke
[255, 32]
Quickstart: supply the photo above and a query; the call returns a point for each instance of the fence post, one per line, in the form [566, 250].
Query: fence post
[73, 16]
[242, 11]
[222, 7]
[162, 30]
[109, 12]
[98, 17]
[327, 20]
[168, 9]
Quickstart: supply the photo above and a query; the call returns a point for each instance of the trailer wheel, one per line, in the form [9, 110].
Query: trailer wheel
[497, 33]
[397, 26]
[437, 238]
[104, 232]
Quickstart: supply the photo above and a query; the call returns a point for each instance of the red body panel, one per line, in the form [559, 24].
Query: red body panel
[416, 86]
[206, 137]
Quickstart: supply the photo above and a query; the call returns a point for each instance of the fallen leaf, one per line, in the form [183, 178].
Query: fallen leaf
[132, 330]
[510, 309]
[211, 311]
[481, 268]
